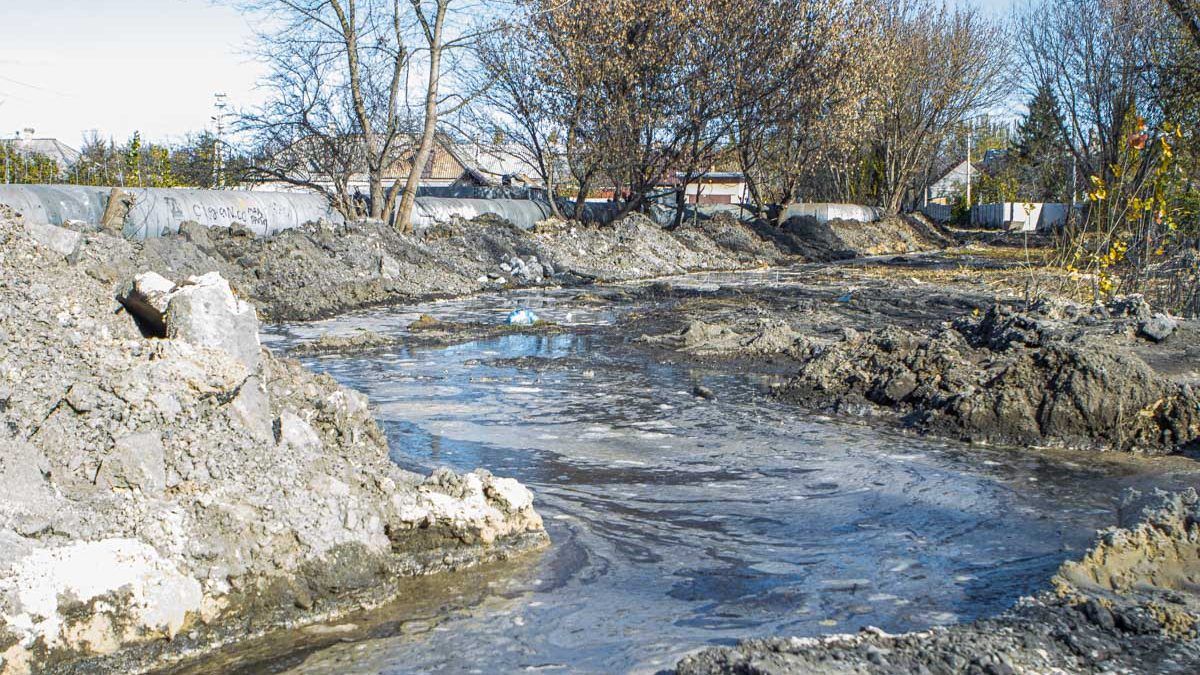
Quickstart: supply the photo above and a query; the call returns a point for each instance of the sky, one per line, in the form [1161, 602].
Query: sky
[118, 66]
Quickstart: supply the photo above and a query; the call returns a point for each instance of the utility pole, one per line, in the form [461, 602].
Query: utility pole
[970, 132]
[220, 104]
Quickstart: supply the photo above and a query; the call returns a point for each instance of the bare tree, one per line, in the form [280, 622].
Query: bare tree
[432, 21]
[1188, 12]
[1093, 57]
[338, 100]
[337, 70]
[518, 107]
[800, 100]
[938, 67]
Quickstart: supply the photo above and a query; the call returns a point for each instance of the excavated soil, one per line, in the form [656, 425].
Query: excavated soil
[320, 270]
[955, 360]
[166, 496]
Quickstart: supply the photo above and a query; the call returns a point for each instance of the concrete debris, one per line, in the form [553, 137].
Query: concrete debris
[60, 239]
[193, 484]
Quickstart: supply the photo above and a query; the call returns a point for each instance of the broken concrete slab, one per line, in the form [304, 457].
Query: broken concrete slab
[58, 239]
[204, 312]
[136, 463]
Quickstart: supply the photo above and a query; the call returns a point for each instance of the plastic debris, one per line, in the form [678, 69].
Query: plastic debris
[522, 317]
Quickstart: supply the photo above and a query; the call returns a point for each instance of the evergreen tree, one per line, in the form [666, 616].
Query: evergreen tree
[1042, 161]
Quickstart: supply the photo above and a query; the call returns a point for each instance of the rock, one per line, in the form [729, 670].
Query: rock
[146, 297]
[388, 267]
[294, 432]
[1158, 327]
[204, 312]
[58, 239]
[136, 463]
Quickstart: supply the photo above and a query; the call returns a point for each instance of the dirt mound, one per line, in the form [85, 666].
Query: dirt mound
[1129, 605]
[844, 239]
[320, 270]
[1039, 377]
[194, 488]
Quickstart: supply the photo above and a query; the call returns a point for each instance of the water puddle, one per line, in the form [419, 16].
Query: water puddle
[679, 522]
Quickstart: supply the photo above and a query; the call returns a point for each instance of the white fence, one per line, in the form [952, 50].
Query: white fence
[1020, 217]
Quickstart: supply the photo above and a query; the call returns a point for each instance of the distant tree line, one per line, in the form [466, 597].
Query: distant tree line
[132, 163]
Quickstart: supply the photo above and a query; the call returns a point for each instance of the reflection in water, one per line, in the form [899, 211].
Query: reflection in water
[679, 522]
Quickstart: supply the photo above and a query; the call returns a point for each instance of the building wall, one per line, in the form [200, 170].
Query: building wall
[717, 193]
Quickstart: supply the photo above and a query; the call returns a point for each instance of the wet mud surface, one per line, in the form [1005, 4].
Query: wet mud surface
[681, 522]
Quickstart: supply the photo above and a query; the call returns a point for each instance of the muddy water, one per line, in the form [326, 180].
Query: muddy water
[679, 522]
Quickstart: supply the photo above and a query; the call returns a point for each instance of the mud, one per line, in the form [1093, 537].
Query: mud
[1129, 605]
[167, 496]
[955, 361]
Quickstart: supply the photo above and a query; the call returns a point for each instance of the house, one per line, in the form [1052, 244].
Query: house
[951, 182]
[28, 144]
[447, 166]
[503, 165]
[717, 187]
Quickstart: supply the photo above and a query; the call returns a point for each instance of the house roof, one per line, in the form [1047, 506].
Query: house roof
[952, 168]
[63, 154]
[445, 162]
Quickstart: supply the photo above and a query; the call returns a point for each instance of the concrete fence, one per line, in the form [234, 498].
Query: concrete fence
[160, 210]
[825, 212]
[939, 213]
[1020, 217]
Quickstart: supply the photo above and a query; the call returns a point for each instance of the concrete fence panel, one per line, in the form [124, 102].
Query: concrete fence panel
[825, 212]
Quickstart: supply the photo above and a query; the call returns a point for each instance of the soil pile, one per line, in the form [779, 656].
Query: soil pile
[1111, 377]
[844, 239]
[1129, 605]
[320, 270]
[192, 487]
[1053, 375]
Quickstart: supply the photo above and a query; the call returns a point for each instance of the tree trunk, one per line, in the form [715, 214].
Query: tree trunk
[680, 206]
[548, 168]
[580, 200]
[408, 199]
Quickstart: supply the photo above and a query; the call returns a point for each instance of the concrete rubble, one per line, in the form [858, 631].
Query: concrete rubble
[171, 486]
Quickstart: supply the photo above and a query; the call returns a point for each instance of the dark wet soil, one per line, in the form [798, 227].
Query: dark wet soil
[682, 521]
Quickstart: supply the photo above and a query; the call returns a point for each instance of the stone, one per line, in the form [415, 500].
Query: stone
[252, 408]
[146, 297]
[137, 462]
[204, 312]
[1158, 327]
[58, 239]
[296, 433]
[388, 267]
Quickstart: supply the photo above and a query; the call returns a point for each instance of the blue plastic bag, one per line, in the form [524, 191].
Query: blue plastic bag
[522, 317]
